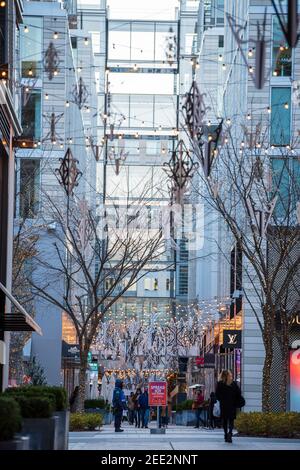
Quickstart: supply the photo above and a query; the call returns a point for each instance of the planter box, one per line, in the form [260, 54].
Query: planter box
[43, 432]
[19, 443]
[185, 418]
[62, 429]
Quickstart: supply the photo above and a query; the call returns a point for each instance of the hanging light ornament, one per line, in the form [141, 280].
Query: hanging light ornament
[52, 120]
[80, 93]
[51, 61]
[117, 158]
[180, 169]
[259, 77]
[289, 29]
[204, 136]
[171, 47]
[68, 172]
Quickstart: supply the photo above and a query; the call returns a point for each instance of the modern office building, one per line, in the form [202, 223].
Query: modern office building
[58, 92]
[231, 281]
[13, 316]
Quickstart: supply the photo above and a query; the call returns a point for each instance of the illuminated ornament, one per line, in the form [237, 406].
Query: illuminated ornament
[52, 120]
[259, 77]
[51, 61]
[180, 169]
[80, 93]
[68, 172]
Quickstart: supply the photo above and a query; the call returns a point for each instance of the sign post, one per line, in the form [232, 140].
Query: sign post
[157, 397]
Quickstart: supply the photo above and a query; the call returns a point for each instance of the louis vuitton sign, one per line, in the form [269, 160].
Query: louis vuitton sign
[232, 339]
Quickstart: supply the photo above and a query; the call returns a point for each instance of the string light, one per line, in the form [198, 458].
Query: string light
[55, 35]
[26, 29]
[86, 42]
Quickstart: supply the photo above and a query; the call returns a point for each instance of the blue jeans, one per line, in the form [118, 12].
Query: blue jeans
[199, 418]
[145, 413]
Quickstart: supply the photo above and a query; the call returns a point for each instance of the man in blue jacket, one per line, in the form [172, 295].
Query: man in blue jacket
[144, 407]
[119, 404]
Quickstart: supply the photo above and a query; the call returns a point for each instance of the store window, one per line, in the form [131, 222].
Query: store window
[29, 188]
[32, 47]
[280, 116]
[31, 116]
[281, 54]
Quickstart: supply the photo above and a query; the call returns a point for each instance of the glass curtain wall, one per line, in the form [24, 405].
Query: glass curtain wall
[141, 114]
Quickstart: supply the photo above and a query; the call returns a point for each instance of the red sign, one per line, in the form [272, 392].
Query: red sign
[200, 361]
[157, 393]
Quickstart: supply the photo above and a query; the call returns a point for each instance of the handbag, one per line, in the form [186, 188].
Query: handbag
[240, 402]
[217, 410]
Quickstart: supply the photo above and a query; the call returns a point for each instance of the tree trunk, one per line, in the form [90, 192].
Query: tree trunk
[284, 346]
[268, 343]
[82, 379]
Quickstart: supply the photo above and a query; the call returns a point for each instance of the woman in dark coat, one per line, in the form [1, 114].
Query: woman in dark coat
[229, 395]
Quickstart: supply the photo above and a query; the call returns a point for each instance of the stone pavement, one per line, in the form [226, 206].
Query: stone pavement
[176, 438]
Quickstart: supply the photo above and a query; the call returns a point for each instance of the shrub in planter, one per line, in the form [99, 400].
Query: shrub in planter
[35, 407]
[85, 421]
[59, 394]
[269, 424]
[185, 405]
[10, 418]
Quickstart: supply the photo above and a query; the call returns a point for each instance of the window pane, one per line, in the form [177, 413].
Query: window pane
[29, 188]
[282, 54]
[281, 116]
[31, 47]
[142, 42]
[119, 42]
[31, 116]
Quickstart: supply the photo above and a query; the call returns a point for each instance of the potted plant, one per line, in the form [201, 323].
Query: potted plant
[99, 405]
[38, 421]
[10, 424]
[58, 397]
[60, 410]
[185, 415]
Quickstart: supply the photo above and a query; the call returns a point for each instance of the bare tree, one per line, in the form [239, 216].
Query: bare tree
[98, 261]
[255, 188]
[24, 249]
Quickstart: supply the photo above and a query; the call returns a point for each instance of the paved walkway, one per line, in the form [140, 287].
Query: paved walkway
[176, 438]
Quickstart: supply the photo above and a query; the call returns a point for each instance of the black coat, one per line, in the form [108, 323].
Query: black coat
[228, 396]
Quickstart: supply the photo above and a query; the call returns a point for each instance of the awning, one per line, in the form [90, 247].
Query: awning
[17, 321]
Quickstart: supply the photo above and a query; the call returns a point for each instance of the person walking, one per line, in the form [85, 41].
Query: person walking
[144, 407]
[229, 395]
[198, 407]
[131, 410]
[119, 404]
[137, 409]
